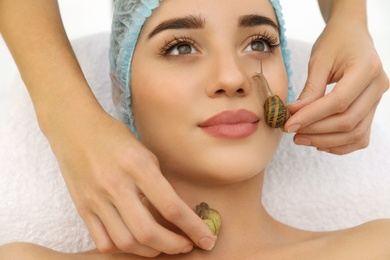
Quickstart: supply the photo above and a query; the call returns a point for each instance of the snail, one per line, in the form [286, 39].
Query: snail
[276, 113]
[210, 217]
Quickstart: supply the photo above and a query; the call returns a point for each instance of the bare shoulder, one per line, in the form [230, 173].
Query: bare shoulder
[367, 241]
[376, 234]
[21, 251]
[379, 226]
[26, 251]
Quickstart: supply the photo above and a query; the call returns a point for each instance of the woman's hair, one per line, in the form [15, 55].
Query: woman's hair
[128, 19]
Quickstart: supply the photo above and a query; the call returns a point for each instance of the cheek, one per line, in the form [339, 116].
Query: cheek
[147, 105]
[279, 82]
[150, 120]
[155, 103]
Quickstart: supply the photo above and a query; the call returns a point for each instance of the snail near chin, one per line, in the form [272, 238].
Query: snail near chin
[276, 113]
[210, 217]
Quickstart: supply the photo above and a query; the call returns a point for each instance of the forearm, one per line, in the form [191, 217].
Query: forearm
[36, 38]
[345, 9]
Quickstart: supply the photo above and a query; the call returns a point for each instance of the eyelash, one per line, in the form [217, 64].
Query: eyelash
[168, 46]
[272, 42]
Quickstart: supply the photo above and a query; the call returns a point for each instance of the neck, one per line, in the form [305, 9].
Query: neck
[245, 223]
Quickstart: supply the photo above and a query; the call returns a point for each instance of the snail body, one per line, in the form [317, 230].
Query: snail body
[210, 217]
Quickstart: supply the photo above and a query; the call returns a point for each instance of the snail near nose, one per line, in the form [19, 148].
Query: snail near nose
[276, 113]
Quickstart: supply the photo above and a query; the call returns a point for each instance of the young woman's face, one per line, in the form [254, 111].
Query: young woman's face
[194, 100]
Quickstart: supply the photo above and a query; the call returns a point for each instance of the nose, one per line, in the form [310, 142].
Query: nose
[227, 77]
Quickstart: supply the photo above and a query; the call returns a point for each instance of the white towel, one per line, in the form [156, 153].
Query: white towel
[303, 187]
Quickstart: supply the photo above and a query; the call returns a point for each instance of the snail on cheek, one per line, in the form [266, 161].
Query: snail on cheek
[276, 113]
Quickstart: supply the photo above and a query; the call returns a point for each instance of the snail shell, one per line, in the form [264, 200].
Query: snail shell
[276, 113]
[210, 217]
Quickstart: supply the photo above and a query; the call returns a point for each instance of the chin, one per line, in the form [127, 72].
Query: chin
[225, 169]
[246, 158]
[233, 176]
[238, 169]
[218, 161]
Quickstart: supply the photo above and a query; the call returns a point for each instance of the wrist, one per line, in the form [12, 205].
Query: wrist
[65, 108]
[351, 11]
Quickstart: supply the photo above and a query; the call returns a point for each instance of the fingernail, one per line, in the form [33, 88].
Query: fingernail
[326, 150]
[187, 249]
[293, 128]
[295, 102]
[303, 141]
[206, 243]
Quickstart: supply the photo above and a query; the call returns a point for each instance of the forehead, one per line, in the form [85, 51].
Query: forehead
[210, 10]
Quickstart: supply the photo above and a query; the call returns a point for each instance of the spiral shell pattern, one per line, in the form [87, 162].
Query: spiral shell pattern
[276, 113]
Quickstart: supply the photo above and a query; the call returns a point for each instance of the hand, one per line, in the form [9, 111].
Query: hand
[108, 171]
[104, 166]
[340, 121]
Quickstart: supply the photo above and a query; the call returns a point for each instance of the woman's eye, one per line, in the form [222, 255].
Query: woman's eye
[182, 49]
[258, 45]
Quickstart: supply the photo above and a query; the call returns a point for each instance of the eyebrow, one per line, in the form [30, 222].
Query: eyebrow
[196, 22]
[188, 22]
[256, 20]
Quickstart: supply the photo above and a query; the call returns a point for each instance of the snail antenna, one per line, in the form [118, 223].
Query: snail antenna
[261, 66]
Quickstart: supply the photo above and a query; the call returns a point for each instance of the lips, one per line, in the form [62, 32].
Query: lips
[231, 124]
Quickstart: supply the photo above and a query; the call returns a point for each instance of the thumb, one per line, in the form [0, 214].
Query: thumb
[314, 88]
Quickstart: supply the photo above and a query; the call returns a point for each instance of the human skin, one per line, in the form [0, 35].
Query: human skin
[227, 172]
[80, 132]
[340, 122]
[95, 151]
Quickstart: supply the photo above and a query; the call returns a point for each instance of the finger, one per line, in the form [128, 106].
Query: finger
[162, 196]
[160, 193]
[120, 234]
[337, 101]
[344, 149]
[347, 121]
[341, 142]
[347, 148]
[99, 234]
[178, 213]
[315, 85]
[147, 231]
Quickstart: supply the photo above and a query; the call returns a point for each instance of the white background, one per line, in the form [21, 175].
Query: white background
[303, 19]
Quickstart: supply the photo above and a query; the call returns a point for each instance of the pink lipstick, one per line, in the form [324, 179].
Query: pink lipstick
[231, 124]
